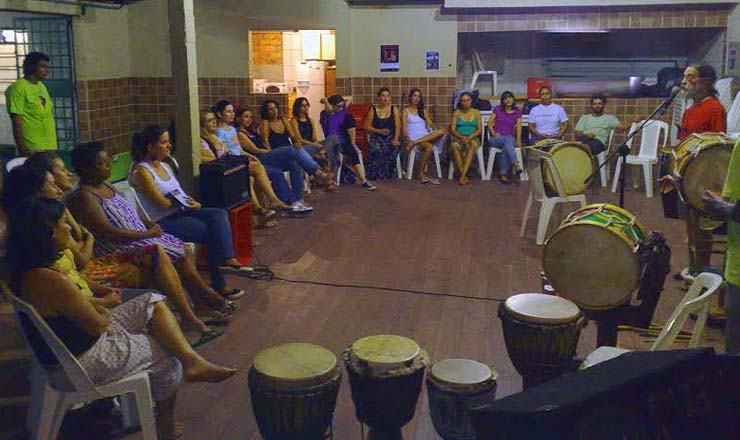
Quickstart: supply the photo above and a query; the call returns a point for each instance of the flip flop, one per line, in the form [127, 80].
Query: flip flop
[207, 336]
[215, 317]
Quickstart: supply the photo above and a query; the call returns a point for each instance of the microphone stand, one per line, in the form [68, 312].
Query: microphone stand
[623, 150]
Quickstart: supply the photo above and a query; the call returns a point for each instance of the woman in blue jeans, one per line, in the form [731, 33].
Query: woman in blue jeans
[282, 159]
[506, 123]
[166, 203]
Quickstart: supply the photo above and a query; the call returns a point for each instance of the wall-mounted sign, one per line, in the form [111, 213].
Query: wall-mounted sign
[389, 58]
[432, 60]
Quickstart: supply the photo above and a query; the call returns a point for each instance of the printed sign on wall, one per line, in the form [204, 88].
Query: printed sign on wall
[433, 60]
[389, 58]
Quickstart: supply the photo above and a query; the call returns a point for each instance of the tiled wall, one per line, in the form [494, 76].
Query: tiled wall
[112, 110]
[437, 91]
[598, 18]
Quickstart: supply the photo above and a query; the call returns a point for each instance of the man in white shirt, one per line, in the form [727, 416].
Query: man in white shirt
[547, 120]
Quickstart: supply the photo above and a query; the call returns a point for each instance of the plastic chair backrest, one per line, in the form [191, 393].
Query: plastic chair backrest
[724, 88]
[129, 194]
[693, 301]
[535, 160]
[611, 141]
[733, 115]
[15, 162]
[650, 138]
[71, 368]
[477, 61]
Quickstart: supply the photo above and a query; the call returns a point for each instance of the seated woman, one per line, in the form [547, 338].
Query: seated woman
[110, 344]
[305, 129]
[212, 148]
[224, 111]
[143, 267]
[419, 133]
[276, 162]
[504, 124]
[384, 133]
[465, 128]
[339, 130]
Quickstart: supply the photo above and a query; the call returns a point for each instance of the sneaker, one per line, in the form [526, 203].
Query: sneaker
[300, 207]
[369, 186]
[232, 294]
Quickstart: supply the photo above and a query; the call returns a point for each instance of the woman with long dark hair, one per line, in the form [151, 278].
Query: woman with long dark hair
[466, 127]
[383, 126]
[420, 132]
[308, 141]
[178, 214]
[110, 344]
[505, 132]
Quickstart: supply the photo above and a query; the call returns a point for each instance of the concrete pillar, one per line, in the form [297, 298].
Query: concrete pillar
[185, 90]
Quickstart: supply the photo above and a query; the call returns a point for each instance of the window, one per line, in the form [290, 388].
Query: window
[9, 58]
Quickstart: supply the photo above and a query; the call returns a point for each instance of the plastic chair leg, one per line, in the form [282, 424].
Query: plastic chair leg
[491, 159]
[410, 165]
[146, 413]
[647, 170]
[617, 171]
[439, 165]
[451, 171]
[527, 207]
[524, 175]
[603, 171]
[42, 412]
[399, 167]
[545, 213]
[481, 164]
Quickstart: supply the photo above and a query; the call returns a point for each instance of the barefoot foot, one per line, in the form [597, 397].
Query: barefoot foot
[203, 371]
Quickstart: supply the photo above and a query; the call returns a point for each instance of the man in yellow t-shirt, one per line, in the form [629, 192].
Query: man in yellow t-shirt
[728, 208]
[31, 109]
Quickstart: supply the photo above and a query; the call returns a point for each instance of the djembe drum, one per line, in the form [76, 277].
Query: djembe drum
[455, 386]
[385, 375]
[574, 163]
[541, 334]
[294, 391]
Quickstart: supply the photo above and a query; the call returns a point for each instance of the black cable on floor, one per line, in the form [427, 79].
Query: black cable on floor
[262, 272]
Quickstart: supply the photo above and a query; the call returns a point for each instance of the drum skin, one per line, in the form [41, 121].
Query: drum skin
[540, 351]
[450, 404]
[574, 163]
[297, 409]
[602, 274]
[701, 163]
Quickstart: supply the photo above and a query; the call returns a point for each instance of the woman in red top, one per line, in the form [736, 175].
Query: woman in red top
[707, 114]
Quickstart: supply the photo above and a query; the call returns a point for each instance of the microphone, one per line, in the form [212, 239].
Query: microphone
[674, 92]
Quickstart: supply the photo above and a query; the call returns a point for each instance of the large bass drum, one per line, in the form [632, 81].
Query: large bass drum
[573, 161]
[592, 258]
[700, 163]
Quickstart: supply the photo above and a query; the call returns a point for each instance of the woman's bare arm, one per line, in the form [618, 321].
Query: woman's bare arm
[143, 181]
[87, 208]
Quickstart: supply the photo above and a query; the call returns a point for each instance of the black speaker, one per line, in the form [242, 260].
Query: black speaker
[673, 394]
[224, 183]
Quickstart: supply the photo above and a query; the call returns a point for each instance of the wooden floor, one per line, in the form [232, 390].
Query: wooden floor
[446, 239]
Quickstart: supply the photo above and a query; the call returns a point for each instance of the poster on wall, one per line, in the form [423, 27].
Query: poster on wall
[733, 58]
[389, 59]
[432, 60]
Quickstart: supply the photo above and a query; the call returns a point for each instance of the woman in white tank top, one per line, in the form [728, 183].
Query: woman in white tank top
[178, 214]
[419, 133]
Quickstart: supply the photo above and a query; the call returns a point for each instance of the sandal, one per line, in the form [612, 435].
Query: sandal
[215, 317]
[206, 337]
[266, 224]
[430, 181]
[266, 214]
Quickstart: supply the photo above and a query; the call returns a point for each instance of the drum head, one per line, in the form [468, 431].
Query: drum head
[292, 365]
[541, 308]
[461, 372]
[574, 163]
[590, 265]
[706, 171]
[388, 350]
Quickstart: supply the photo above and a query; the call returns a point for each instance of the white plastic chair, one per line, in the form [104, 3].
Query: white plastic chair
[733, 115]
[479, 70]
[341, 161]
[538, 193]
[492, 158]
[52, 394]
[15, 162]
[693, 302]
[481, 166]
[601, 157]
[724, 90]
[680, 104]
[437, 149]
[648, 154]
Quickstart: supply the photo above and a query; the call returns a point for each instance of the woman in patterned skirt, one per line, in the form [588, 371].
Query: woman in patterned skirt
[383, 125]
[139, 335]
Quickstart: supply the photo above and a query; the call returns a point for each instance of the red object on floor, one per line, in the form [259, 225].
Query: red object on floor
[534, 84]
[359, 112]
[240, 218]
